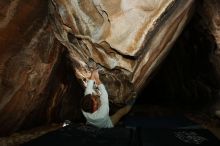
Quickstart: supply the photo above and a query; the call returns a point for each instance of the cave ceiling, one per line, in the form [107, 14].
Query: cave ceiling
[127, 39]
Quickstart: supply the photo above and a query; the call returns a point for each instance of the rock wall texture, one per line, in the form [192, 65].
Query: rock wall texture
[126, 38]
[211, 20]
[28, 53]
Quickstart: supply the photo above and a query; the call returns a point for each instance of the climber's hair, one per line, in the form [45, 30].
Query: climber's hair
[87, 103]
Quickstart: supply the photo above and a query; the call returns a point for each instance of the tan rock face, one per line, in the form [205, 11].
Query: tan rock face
[128, 38]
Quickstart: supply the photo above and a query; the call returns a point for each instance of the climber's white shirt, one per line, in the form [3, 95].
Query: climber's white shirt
[99, 118]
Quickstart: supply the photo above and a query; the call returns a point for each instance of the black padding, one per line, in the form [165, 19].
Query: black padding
[76, 135]
[87, 135]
